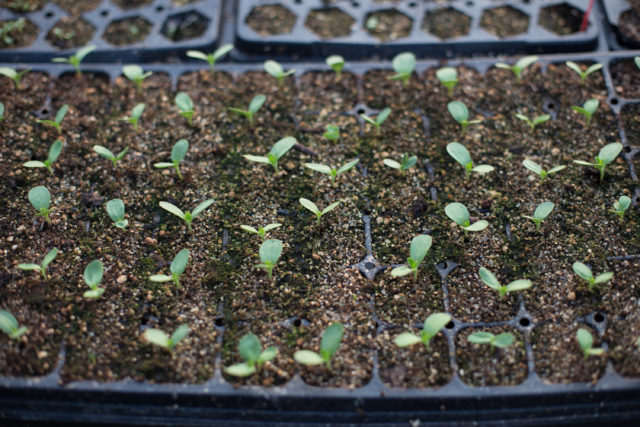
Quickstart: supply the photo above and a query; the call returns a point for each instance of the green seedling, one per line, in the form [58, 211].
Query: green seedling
[270, 251]
[502, 340]
[536, 121]
[537, 169]
[380, 118]
[275, 70]
[432, 325]
[637, 61]
[308, 204]
[58, 120]
[332, 132]
[161, 339]
[250, 350]
[403, 64]
[458, 213]
[185, 105]
[585, 273]
[262, 231]
[211, 58]
[332, 172]
[10, 326]
[336, 62]
[107, 154]
[54, 152]
[41, 201]
[188, 217]
[177, 267]
[607, 154]
[254, 106]
[461, 155]
[585, 340]
[278, 150]
[328, 347]
[1, 111]
[405, 163]
[583, 74]
[135, 74]
[460, 114]
[621, 206]
[92, 277]
[519, 66]
[76, 59]
[115, 209]
[491, 281]
[540, 214]
[178, 152]
[136, 113]
[588, 109]
[14, 75]
[418, 250]
[448, 76]
[42, 268]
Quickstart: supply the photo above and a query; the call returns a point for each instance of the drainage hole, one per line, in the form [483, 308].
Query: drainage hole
[598, 317]
[614, 101]
[450, 325]
[524, 322]
[219, 321]
[104, 13]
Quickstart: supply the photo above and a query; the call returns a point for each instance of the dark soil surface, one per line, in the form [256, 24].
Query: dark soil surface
[127, 31]
[75, 7]
[626, 78]
[504, 21]
[270, 20]
[131, 4]
[561, 19]
[388, 25]
[23, 6]
[629, 25]
[329, 23]
[70, 32]
[446, 23]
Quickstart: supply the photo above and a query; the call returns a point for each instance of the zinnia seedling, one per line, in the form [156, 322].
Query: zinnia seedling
[161, 339]
[92, 277]
[332, 132]
[541, 213]
[621, 206]
[583, 74]
[177, 267]
[185, 105]
[418, 250]
[41, 201]
[405, 164]
[588, 109]
[380, 118]
[432, 325]
[537, 169]
[535, 121]
[461, 155]
[107, 154]
[178, 152]
[211, 58]
[136, 75]
[328, 347]
[279, 149]
[586, 274]
[607, 154]
[275, 70]
[58, 120]
[403, 64]
[308, 204]
[115, 209]
[136, 113]
[250, 350]
[519, 66]
[254, 106]
[270, 251]
[502, 340]
[42, 268]
[458, 213]
[491, 281]
[460, 114]
[262, 231]
[14, 75]
[188, 217]
[332, 172]
[76, 59]
[448, 76]
[1, 111]
[585, 340]
[54, 152]
[10, 326]
[336, 62]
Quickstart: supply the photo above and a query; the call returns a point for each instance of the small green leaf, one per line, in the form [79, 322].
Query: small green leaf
[268, 354]
[503, 340]
[309, 205]
[157, 337]
[240, 370]
[249, 229]
[179, 263]
[270, 251]
[39, 197]
[61, 113]
[319, 168]
[178, 335]
[273, 68]
[582, 270]
[179, 150]
[83, 52]
[160, 278]
[54, 151]
[29, 267]
[602, 278]
[382, 116]
[103, 151]
[115, 209]
[585, 339]
[307, 357]
[281, 147]
[201, 207]
[172, 208]
[477, 226]
[49, 257]
[459, 153]
[406, 339]
[183, 102]
[489, 279]
[519, 285]
[93, 273]
[331, 339]
[609, 152]
[419, 248]
[543, 210]
[392, 163]
[256, 103]
[331, 207]
[348, 166]
[249, 348]
[434, 324]
[457, 212]
[480, 337]
[259, 159]
[401, 271]
[458, 110]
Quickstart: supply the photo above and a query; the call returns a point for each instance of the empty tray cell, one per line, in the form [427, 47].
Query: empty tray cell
[329, 23]
[127, 31]
[388, 25]
[505, 21]
[562, 19]
[184, 26]
[446, 23]
[271, 20]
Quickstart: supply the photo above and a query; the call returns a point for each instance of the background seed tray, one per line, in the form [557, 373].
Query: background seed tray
[613, 12]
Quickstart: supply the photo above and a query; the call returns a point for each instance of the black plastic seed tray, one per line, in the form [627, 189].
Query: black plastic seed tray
[614, 10]
[172, 29]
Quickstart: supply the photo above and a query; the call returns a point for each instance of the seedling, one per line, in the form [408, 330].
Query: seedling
[585, 340]
[403, 64]
[92, 277]
[178, 265]
[519, 66]
[161, 339]
[136, 113]
[502, 340]
[211, 58]
[270, 251]
[188, 217]
[461, 155]
[14, 75]
[42, 268]
[328, 346]
[178, 152]
[1, 111]
[332, 132]
[535, 121]
[54, 152]
[250, 350]
[584, 74]
[432, 325]
[314, 208]
[588, 109]
[607, 154]
[262, 231]
[41, 201]
[637, 61]
[541, 213]
[278, 150]
[254, 106]
[135, 74]
[336, 62]
[405, 164]
[418, 249]
[448, 76]
[460, 114]
[185, 105]
[115, 209]
[621, 206]
[58, 120]
[77, 59]
[586, 274]
[537, 169]
[458, 213]
[491, 281]
[332, 172]
[275, 70]
[10, 326]
[380, 118]
[107, 154]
